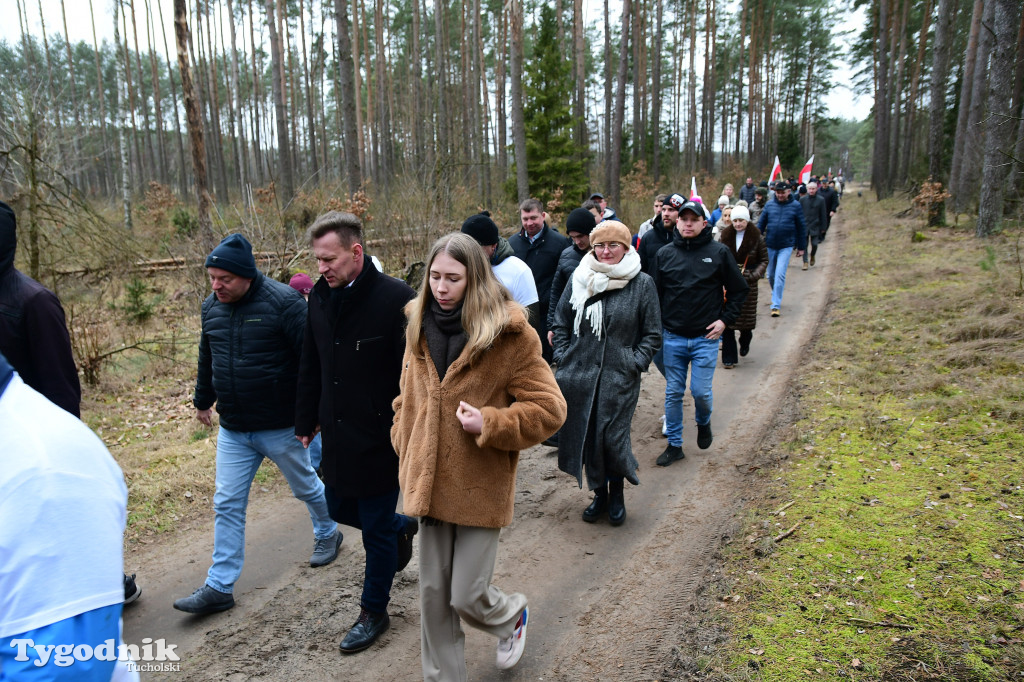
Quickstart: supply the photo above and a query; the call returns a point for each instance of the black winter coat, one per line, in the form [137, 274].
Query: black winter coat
[349, 375]
[542, 257]
[33, 332]
[600, 378]
[567, 264]
[815, 214]
[831, 198]
[249, 356]
[690, 275]
[653, 239]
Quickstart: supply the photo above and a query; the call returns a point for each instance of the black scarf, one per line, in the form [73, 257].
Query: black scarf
[445, 336]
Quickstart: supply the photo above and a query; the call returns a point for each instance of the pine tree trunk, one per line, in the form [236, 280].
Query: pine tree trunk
[58, 113]
[241, 156]
[518, 122]
[656, 97]
[182, 171]
[103, 158]
[154, 71]
[998, 122]
[122, 121]
[372, 167]
[499, 93]
[899, 37]
[386, 164]
[937, 105]
[77, 142]
[691, 127]
[151, 171]
[214, 93]
[286, 189]
[195, 123]
[910, 119]
[416, 129]
[966, 88]
[257, 97]
[580, 77]
[967, 191]
[313, 161]
[350, 138]
[879, 170]
[607, 122]
[615, 153]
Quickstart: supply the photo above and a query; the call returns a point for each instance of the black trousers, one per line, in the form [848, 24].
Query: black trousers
[730, 355]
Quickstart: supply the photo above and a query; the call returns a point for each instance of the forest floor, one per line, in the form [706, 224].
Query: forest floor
[626, 603]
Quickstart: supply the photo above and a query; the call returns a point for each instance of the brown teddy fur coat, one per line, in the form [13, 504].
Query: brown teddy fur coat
[449, 474]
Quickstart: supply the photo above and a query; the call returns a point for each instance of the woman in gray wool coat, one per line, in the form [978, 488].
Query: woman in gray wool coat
[607, 328]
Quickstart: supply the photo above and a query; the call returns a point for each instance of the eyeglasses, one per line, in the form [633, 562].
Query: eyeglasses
[610, 246]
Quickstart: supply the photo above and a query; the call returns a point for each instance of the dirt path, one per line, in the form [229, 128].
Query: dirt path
[605, 603]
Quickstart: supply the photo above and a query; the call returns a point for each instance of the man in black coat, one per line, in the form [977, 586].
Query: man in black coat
[815, 218]
[33, 333]
[348, 377]
[34, 337]
[248, 361]
[831, 196]
[540, 247]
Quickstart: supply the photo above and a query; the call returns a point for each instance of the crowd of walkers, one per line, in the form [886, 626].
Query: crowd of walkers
[363, 390]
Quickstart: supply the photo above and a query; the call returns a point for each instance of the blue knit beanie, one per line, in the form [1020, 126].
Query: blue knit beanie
[234, 254]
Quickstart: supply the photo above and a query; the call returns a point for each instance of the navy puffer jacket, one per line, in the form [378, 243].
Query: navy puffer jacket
[249, 356]
[783, 225]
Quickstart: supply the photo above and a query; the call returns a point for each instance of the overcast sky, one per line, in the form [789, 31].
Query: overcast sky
[840, 101]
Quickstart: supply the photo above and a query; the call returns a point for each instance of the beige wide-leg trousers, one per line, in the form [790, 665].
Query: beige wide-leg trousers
[456, 566]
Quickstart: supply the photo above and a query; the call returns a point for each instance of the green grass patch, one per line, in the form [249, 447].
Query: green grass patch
[906, 556]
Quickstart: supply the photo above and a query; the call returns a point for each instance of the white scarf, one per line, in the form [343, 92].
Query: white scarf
[592, 277]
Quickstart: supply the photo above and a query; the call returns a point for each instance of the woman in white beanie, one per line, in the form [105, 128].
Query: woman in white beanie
[747, 246]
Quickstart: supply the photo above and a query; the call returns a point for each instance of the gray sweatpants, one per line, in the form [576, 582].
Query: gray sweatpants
[456, 566]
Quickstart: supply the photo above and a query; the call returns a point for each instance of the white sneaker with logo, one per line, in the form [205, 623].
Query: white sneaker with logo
[510, 650]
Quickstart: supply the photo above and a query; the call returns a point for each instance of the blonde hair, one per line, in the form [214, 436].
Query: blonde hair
[485, 305]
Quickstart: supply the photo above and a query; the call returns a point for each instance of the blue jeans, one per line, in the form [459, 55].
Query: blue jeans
[376, 518]
[239, 455]
[700, 355]
[778, 261]
[316, 452]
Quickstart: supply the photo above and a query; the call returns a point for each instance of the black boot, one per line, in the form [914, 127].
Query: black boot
[616, 503]
[598, 506]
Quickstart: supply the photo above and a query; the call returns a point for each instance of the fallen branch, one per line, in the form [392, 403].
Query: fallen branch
[877, 624]
[783, 508]
[780, 538]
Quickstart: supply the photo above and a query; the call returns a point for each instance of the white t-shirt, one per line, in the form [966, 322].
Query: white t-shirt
[62, 515]
[517, 278]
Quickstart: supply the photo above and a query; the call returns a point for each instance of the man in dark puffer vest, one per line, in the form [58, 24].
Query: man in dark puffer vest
[248, 365]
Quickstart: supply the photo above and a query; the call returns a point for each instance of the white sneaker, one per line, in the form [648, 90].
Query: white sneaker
[511, 650]
[664, 426]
